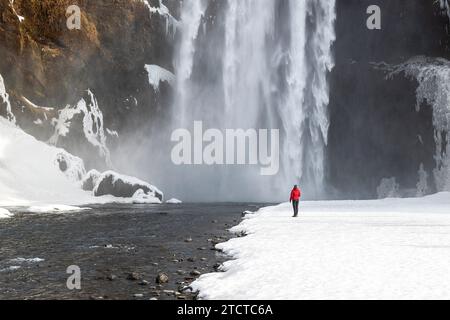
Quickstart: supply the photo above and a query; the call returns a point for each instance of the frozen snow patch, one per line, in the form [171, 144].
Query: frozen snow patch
[174, 201]
[21, 18]
[10, 269]
[162, 10]
[156, 75]
[55, 209]
[141, 197]
[5, 100]
[5, 214]
[93, 125]
[26, 260]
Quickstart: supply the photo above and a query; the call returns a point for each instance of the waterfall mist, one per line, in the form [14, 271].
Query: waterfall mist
[253, 64]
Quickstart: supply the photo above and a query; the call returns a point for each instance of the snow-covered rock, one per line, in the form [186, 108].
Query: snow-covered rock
[21, 260]
[90, 180]
[156, 75]
[163, 11]
[122, 186]
[141, 197]
[92, 122]
[71, 166]
[34, 174]
[174, 201]
[4, 96]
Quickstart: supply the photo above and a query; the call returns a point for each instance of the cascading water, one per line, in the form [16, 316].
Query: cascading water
[268, 71]
[191, 18]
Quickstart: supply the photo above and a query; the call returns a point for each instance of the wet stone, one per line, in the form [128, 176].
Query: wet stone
[134, 276]
[162, 278]
[144, 283]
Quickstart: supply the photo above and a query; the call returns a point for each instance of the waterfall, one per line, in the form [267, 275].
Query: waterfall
[267, 70]
[305, 111]
[191, 17]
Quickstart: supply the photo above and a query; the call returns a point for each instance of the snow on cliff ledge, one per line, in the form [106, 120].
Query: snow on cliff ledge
[34, 173]
[384, 249]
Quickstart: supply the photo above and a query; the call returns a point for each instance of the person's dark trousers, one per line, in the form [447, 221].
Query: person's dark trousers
[295, 205]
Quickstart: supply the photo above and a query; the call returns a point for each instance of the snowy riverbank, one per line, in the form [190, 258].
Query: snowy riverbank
[35, 174]
[385, 249]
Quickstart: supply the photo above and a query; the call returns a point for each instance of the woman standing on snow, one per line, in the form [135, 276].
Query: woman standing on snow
[295, 199]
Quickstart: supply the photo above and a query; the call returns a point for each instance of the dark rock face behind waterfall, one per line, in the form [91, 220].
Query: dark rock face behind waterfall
[375, 130]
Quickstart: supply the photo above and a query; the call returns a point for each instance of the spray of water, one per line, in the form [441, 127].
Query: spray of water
[269, 70]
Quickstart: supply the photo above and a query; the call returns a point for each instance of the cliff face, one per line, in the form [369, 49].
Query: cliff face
[45, 64]
[375, 130]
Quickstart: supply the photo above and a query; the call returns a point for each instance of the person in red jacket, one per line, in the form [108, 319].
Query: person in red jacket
[295, 199]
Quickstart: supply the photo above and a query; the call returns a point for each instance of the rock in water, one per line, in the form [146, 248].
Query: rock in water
[111, 277]
[112, 183]
[134, 276]
[143, 283]
[162, 278]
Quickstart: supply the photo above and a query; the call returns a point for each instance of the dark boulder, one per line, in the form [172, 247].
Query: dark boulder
[111, 183]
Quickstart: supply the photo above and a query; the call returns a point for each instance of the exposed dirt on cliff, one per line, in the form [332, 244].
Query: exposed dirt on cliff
[46, 64]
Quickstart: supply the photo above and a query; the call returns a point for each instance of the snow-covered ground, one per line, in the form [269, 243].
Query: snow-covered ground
[55, 209]
[384, 249]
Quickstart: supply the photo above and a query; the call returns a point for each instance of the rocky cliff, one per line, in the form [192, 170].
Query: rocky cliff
[46, 66]
[376, 131]
[82, 89]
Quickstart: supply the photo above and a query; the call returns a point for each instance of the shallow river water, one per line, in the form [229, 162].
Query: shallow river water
[111, 245]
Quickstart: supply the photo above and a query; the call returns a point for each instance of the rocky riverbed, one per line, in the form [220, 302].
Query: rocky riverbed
[123, 252]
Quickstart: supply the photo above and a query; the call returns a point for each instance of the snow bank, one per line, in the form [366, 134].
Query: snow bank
[55, 209]
[31, 171]
[174, 201]
[5, 214]
[383, 249]
[21, 260]
[142, 197]
[34, 174]
[122, 186]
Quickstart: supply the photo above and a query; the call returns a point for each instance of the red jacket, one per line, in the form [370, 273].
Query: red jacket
[295, 194]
